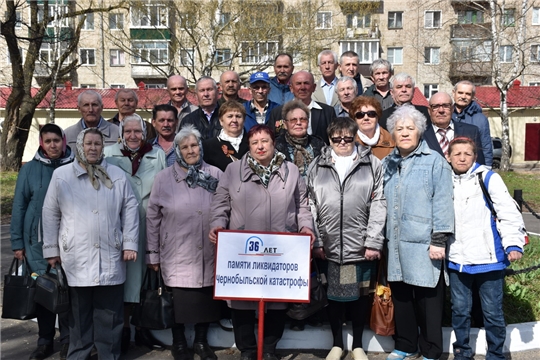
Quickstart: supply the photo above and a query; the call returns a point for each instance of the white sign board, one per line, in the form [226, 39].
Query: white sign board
[269, 266]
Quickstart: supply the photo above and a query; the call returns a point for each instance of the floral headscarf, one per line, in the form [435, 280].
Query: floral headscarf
[96, 172]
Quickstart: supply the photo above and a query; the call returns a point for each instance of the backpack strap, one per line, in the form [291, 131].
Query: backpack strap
[484, 183]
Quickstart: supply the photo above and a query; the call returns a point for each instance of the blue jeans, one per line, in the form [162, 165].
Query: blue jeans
[490, 286]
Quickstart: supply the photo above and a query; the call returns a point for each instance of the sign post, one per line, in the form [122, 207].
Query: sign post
[262, 267]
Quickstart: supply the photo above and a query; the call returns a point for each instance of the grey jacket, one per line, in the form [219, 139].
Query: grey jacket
[350, 217]
[109, 130]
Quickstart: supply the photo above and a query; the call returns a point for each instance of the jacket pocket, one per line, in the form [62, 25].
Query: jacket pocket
[415, 229]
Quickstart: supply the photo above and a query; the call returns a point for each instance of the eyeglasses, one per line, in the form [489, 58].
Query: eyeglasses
[360, 115]
[347, 139]
[295, 120]
[437, 106]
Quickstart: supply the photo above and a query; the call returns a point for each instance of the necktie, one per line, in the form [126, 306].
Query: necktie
[443, 142]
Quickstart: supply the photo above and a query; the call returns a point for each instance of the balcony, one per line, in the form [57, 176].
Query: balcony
[460, 69]
[139, 71]
[470, 31]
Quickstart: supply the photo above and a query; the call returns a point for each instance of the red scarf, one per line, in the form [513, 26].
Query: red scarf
[136, 156]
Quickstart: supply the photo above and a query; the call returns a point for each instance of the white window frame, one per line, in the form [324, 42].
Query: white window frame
[504, 52]
[367, 50]
[430, 90]
[120, 55]
[87, 86]
[324, 20]
[394, 55]
[224, 18]
[155, 16]
[432, 55]
[356, 21]
[259, 53]
[223, 57]
[87, 52]
[186, 57]
[535, 53]
[534, 83]
[118, 86]
[294, 20]
[62, 10]
[509, 17]
[18, 19]
[186, 20]
[116, 16]
[430, 19]
[397, 19]
[470, 16]
[45, 48]
[535, 16]
[150, 48]
[88, 24]
[155, 86]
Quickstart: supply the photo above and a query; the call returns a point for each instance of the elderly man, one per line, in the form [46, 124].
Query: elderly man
[302, 87]
[326, 85]
[349, 65]
[381, 72]
[90, 105]
[443, 130]
[164, 121]
[402, 91]
[280, 92]
[229, 82]
[468, 111]
[126, 101]
[178, 89]
[259, 108]
[205, 118]
[346, 92]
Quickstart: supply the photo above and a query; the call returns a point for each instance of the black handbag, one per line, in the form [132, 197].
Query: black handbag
[317, 297]
[155, 309]
[52, 290]
[19, 290]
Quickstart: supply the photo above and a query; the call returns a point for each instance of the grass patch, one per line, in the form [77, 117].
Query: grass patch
[526, 181]
[8, 179]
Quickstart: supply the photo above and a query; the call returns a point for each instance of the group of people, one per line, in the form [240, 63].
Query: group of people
[360, 169]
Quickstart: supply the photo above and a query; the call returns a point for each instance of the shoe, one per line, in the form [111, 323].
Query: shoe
[64, 351]
[204, 351]
[226, 324]
[42, 352]
[335, 353]
[180, 352]
[425, 358]
[270, 356]
[401, 355]
[248, 355]
[359, 354]
[297, 325]
[126, 339]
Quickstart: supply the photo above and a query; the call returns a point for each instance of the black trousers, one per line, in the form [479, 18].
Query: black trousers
[244, 329]
[47, 326]
[418, 307]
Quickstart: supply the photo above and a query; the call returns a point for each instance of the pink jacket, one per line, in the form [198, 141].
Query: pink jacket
[177, 228]
[243, 203]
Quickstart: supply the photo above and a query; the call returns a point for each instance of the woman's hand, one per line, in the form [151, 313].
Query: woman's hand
[154, 267]
[19, 254]
[213, 233]
[318, 253]
[130, 255]
[308, 231]
[52, 261]
[437, 253]
[372, 254]
[514, 255]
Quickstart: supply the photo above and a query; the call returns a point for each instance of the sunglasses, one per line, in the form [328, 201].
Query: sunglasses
[360, 115]
[347, 139]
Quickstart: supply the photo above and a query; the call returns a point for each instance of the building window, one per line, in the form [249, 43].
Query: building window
[358, 21]
[508, 17]
[324, 20]
[224, 18]
[470, 17]
[432, 19]
[367, 50]
[118, 86]
[155, 86]
[187, 57]
[536, 16]
[257, 53]
[535, 53]
[150, 52]
[117, 57]
[432, 55]
[395, 55]
[88, 23]
[187, 20]
[116, 21]
[534, 83]
[223, 57]
[430, 90]
[294, 20]
[471, 51]
[87, 56]
[88, 86]
[55, 10]
[18, 19]
[505, 53]
[150, 15]
[395, 20]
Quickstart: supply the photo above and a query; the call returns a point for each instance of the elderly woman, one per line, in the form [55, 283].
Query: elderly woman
[345, 184]
[231, 144]
[26, 232]
[297, 146]
[418, 190]
[177, 226]
[367, 111]
[261, 192]
[484, 244]
[141, 162]
[91, 227]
